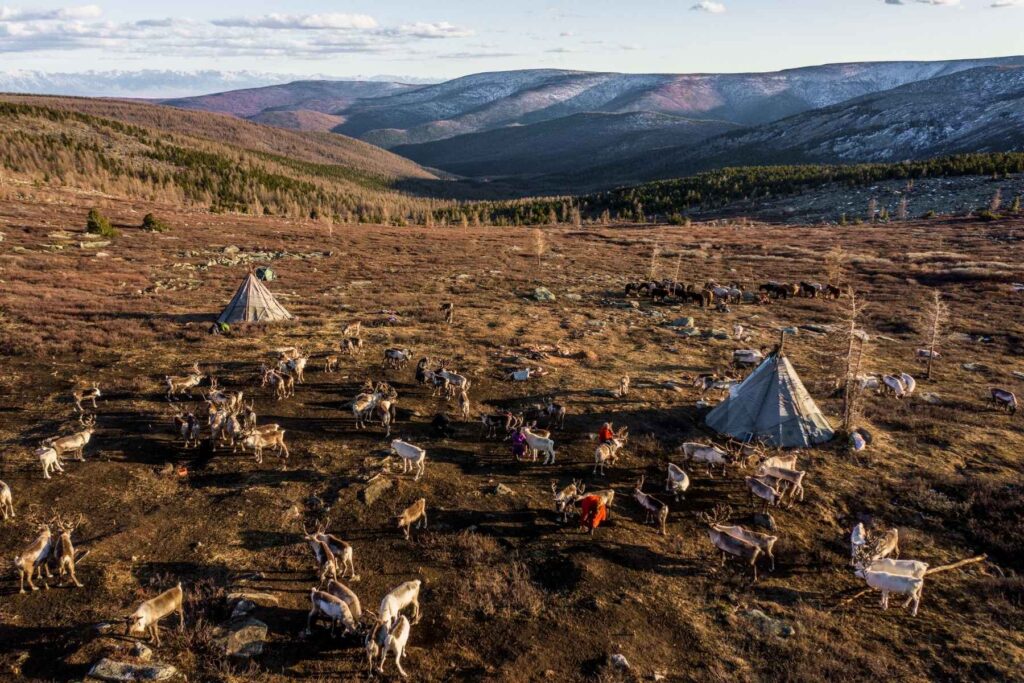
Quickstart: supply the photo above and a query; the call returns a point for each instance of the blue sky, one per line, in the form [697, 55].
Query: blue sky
[449, 38]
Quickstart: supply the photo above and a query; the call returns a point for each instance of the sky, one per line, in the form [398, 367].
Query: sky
[448, 38]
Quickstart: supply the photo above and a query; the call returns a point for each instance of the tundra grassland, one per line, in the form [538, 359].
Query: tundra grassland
[509, 592]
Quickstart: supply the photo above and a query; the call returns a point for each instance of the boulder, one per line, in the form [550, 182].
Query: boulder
[261, 599]
[375, 489]
[817, 329]
[242, 608]
[768, 625]
[502, 490]
[688, 321]
[141, 652]
[110, 670]
[245, 638]
[543, 294]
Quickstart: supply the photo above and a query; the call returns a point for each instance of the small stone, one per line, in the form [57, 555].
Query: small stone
[619, 661]
[111, 670]
[375, 489]
[261, 599]
[231, 249]
[502, 490]
[765, 521]
[543, 294]
[242, 608]
[245, 638]
[141, 652]
[769, 625]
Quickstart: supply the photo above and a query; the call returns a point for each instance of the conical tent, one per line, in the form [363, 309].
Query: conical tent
[253, 302]
[772, 406]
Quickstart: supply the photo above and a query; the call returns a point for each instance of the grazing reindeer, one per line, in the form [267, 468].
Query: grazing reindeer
[395, 642]
[413, 457]
[332, 608]
[763, 541]
[565, 497]
[1004, 399]
[34, 559]
[76, 443]
[400, 597]
[327, 563]
[147, 617]
[793, 479]
[348, 596]
[258, 440]
[6, 502]
[414, 514]
[608, 452]
[294, 367]
[351, 346]
[456, 381]
[337, 547]
[677, 481]
[884, 546]
[607, 497]
[178, 385]
[376, 641]
[331, 364]
[352, 330]
[763, 490]
[904, 577]
[448, 308]
[727, 544]
[623, 386]
[65, 549]
[464, 404]
[656, 510]
[49, 459]
[282, 383]
[90, 393]
[396, 359]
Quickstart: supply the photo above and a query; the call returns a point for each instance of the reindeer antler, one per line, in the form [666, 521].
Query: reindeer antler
[720, 513]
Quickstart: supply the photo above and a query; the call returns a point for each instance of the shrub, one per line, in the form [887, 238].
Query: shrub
[987, 215]
[154, 224]
[98, 224]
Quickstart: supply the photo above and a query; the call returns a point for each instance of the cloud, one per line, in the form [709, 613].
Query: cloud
[10, 14]
[560, 50]
[1007, 3]
[439, 29]
[329, 21]
[708, 6]
[566, 34]
[937, 3]
[310, 36]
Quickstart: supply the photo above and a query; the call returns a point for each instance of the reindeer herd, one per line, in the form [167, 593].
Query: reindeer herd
[229, 421]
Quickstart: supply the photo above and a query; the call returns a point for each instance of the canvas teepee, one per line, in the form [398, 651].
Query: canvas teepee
[252, 303]
[772, 406]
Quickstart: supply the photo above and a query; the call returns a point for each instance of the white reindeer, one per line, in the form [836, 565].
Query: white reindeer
[793, 479]
[887, 583]
[537, 443]
[1004, 399]
[763, 490]
[34, 559]
[728, 544]
[150, 612]
[257, 441]
[707, 454]
[395, 642]
[332, 608]
[677, 482]
[400, 597]
[6, 502]
[565, 497]
[50, 461]
[178, 385]
[413, 457]
[76, 443]
[655, 509]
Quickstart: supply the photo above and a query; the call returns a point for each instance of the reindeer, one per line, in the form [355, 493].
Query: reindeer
[178, 385]
[331, 364]
[456, 381]
[1004, 399]
[555, 414]
[763, 490]
[50, 461]
[655, 508]
[490, 424]
[395, 642]
[352, 330]
[147, 617]
[76, 443]
[726, 543]
[328, 548]
[707, 454]
[414, 514]
[883, 546]
[538, 443]
[566, 496]
[188, 426]
[905, 577]
[677, 482]
[464, 404]
[763, 541]
[257, 441]
[249, 417]
[400, 597]
[348, 596]
[282, 383]
[351, 346]
[608, 452]
[793, 479]
[295, 368]
[87, 393]
[448, 309]
[65, 549]
[332, 608]
[6, 502]
[623, 386]
[396, 359]
[413, 457]
[327, 563]
[33, 560]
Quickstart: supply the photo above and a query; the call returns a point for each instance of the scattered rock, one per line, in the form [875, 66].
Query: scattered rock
[1018, 375]
[817, 329]
[574, 297]
[245, 638]
[765, 521]
[231, 249]
[794, 331]
[103, 627]
[502, 490]
[767, 624]
[974, 367]
[543, 294]
[110, 670]
[375, 489]
[142, 652]
[932, 398]
[682, 322]
[603, 392]
[242, 608]
[619, 661]
[261, 599]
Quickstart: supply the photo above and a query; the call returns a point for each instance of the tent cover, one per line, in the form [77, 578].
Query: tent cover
[771, 406]
[253, 302]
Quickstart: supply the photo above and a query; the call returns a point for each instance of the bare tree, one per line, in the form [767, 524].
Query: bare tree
[655, 252]
[872, 209]
[835, 265]
[855, 339]
[675, 273]
[997, 201]
[901, 210]
[540, 244]
[935, 317]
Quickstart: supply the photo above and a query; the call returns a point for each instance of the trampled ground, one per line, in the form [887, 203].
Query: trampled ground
[509, 593]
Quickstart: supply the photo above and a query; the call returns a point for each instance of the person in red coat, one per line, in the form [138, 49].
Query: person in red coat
[592, 513]
[606, 433]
